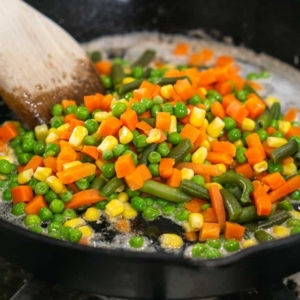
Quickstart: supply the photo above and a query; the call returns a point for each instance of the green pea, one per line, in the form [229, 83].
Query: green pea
[154, 169]
[140, 141]
[23, 158]
[252, 76]
[198, 249]
[57, 110]
[21, 130]
[273, 168]
[264, 74]
[158, 100]
[167, 107]
[4, 183]
[55, 235]
[240, 155]
[229, 123]
[82, 113]
[17, 141]
[36, 229]
[89, 140]
[139, 108]
[56, 122]
[214, 243]
[107, 154]
[101, 205]
[180, 110]
[74, 235]
[174, 138]
[138, 72]
[18, 209]
[179, 127]
[285, 205]
[293, 223]
[32, 220]
[119, 149]
[213, 95]
[58, 218]
[28, 135]
[168, 210]
[18, 150]
[45, 214]
[118, 109]
[149, 201]
[213, 254]
[163, 149]
[150, 213]
[57, 206]
[148, 103]
[107, 81]
[6, 195]
[263, 135]
[28, 145]
[205, 206]
[12, 178]
[131, 193]
[194, 100]
[50, 196]
[52, 148]
[161, 202]
[231, 245]
[136, 242]
[295, 195]
[182, 215]
[274, 123]
[82, 184]
[138, 203]
[128, 95]
[39, 148]
[108, 170]
[41, 188]
[187, 158]
[65, 232]
[69, 213]
[13, 184]
[295, 230]
[180, 205]
[55, 227]
[155, 109]
[33, 182]
[242, 95]
[234, 135]
[154, 157]
[198, 179]
[91, 126]
[86, 158]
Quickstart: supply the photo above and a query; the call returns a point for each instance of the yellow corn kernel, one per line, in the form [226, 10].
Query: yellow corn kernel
[55, 184]
[186, 173]
[127, 70]
[173, 124]
[170, 240]
[206, 144]
[108, 143]
[99, 163]
[188, 228]
[208, 184]
[96, 136]
[203, 91]
[71, 164]
[210, 139]
[284, 126]
[165, 91]
[100, 116]
[123, 197]
[260, 167]
[51, 137]
[280, 231]
[129, 212]
[249, 243]
[63, 128]
[154, 136]
[197, 116]
[75, 222]
[199, 155]
[114, 208]
[42, 173]
[248, 124]
[222, 168]
[295, 214]
[289, 169]
[86, 231]
[270, 100]
[205, 123]
[41, 132]
[239, 143]
[92, 214]
[128, 80]
[125, 135]
[77, 136]
[196, 220]
[25, 176]
[215, 127]
[276, 142]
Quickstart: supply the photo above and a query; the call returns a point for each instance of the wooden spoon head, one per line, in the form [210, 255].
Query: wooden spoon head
[40, 64]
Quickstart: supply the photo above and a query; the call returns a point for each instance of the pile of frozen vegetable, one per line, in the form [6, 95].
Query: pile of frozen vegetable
[196, 145]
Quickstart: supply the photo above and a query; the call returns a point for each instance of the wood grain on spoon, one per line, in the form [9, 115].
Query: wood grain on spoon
[40, 64]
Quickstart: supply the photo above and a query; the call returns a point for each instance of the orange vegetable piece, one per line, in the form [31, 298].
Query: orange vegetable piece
[21, 193]
[35, 162]
[194, 205]
[219, 158]
[50, 162]
[122, 225]
[110, 126]
[218, 110]
[144, 172]
[8, 131]
[209, 215]
[200, 169]
[292, 131]
[106, 102]
[33, 207]
[209, 231]
[234, 231]
[274, 180]
[255, 106]
[129, 119]
[144, 126]
[166, 167]
[217, 204]
[103, 67]
[93, 102]
[85, 197]
[181, 49]
[134, 180]
[226, 100]
[163, 120]
[90, 151]
[255, 154]
[291, 114]
[141, 93]
[191, 236]
[191, 132]
[175, 179]
[66, 103]
[253, 140]
[245, 169]
[184, 89]
[225, 147]
[124, 165]
[224, 60]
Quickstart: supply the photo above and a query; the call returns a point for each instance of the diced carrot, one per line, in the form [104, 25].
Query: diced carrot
[144, 172]
[66, 154]
[65, 135]
[163, 120]
[173, 73]
[217, 204]
[294, 130]
[227, 100]
[166, 167]
[288, 160]
[253, 140]
[109, 126]
[141, 93]
[8, 131]
[103, 67]
[35, 162]
[255, 106]
[150, 87]
[75, 122]
[106, 102]
[270, 130]
[291, 114]
[191, 132]
[124, 165]
[90, 151]
[274, 180]
[184, 89]
[33, 207]
[255, 155]
[21, 193]
[66, 103]
[50, 162]
[245, 169]
[194, 205]
[209, 215]
[175, 179]
[224, 87]
[207, 78]
[129, 119]
[200, 169]
[237, 111]
[67, 118]
[225, 147]
[224, 61]
[219, 158]
[134, 180]
[143, 126]
[234, 231]
[191, 236]
[209, 231]
[122, 225]
[218, 110]
[263, 205]
[85, 197]
[93, 102]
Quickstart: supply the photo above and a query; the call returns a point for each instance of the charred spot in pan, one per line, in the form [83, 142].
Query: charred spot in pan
[104, 229]
[296, 206]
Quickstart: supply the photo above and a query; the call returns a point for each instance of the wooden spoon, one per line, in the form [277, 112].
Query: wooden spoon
[40, 64]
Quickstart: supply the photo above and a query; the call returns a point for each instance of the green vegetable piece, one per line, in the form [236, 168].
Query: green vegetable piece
[295, 195]
[234, 135]
[32, 220]
[181, 215]
[231, 245]
[55, 227]
[74, 235]
[181, 150]
[214, 243]
[232, 205]
[295, 230]
[136, 242]
[101, 205]
[45, 214]
[285, 205]
[180, 110]
[145, 58]
[117, 74]
[138, 203]
[150, 213]
[263, 236]
[18, 209]
[57, 206]
[69, 213]
[229, 123]
[58, 218]
[111, 186]
[168, 210]
[6, 195]
[193, 189]
[199, 249]
[154, 157]
[36, 229]
[264, 120]
[213, 254]
[5, 167]
[293, 222]
[41, 188]
[289, 149]
[274, 167]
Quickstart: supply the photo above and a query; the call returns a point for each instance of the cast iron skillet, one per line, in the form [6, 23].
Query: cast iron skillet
[161, 275]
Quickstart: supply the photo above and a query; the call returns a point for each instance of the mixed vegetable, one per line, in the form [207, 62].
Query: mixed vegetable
[194, 144]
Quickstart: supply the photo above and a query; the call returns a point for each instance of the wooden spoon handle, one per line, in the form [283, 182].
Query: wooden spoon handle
[40, 64]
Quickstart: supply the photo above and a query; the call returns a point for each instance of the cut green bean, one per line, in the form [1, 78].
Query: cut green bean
[164, 191]
[275, 111]
[111, 186]
[232, 205]
[194, 189]
[145, 59]
[263, 236]
[98, 183]
[143, 160]
[128, 87]
[264, 120]
[181, 150]
[117, 74]
[248, 215]
[297, 159]
[284, 151]
[170, 80]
